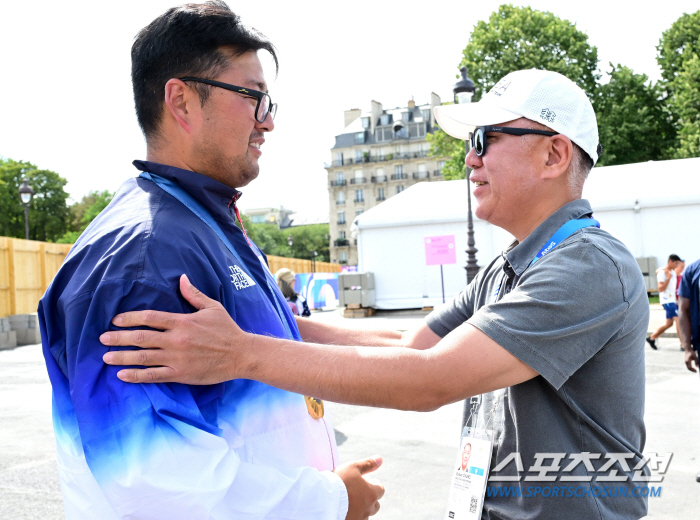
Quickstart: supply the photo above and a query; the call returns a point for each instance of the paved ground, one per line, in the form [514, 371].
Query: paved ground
[419, 448]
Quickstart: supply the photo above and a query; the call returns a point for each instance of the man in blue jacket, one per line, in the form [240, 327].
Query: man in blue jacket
[235, 450]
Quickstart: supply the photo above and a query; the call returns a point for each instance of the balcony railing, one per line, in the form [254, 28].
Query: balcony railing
[380, 199]
[421, 175]
[399, 176]
[437, 173]
[379, 158]
[358, 180]
[341, 242]
[338, 183]
[357, 201]
[379, 178]
[340, 203]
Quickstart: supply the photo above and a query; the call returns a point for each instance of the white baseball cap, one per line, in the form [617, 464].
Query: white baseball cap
[542, 96]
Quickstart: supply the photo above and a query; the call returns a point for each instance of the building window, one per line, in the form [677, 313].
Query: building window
[398, 169]
[380, 193]
[406, 116]
[339, 178]
[365, 122]
[358, 212]
[426, 114]
[385, 119]
[338, 159]
[358, 156]
[341, 235]
[416, 130]
[385, 133]
[341, 217]
[358, 196]
[441, 165]
[343, 257]
[399, 189]
[359, 137]
[341, 198]
[258, 219]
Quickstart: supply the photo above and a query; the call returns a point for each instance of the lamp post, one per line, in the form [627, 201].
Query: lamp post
[463, 92]
[290, 241]
[26, 193]
[313, 258]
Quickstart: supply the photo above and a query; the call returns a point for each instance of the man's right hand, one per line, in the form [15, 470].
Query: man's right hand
[363, 494]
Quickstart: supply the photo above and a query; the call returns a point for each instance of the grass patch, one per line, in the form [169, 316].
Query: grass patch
[654, 299]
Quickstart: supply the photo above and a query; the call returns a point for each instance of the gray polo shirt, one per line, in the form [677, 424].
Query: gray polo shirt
[578, 316]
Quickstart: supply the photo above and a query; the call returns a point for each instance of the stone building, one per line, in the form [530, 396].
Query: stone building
[381, 153]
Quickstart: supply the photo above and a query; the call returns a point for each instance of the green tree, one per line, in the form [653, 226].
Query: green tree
[84, 212]
[679, 49]
[443, 145]
[685, 103]
[49, 217]
[634, 124]
[273, 241]
[516, 38]
[678, 44]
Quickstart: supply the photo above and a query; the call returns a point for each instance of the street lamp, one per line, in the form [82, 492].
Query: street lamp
[463, 92]
[290, 241]
[26, 193]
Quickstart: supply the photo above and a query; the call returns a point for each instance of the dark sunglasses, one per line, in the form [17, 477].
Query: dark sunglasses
[264, 107]
[478, 136]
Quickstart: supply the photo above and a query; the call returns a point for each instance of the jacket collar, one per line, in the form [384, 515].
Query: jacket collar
[212, 194]
[519, 255]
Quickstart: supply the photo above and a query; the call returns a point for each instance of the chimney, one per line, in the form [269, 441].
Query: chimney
[435, 101]
[351, 115]
[376, 112]
[411, 104]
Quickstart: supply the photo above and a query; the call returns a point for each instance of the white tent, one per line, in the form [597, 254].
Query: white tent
[653, 207]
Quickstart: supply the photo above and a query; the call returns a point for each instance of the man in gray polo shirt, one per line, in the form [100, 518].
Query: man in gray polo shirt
[546, 344]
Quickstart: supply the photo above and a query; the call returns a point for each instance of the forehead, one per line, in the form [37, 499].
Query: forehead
[245, 70]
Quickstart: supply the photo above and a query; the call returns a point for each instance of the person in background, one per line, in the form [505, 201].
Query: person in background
[297, 304]
[666, 278]
[689, 319]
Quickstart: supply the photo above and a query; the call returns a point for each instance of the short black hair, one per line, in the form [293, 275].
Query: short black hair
[674, 258]
[189, 40]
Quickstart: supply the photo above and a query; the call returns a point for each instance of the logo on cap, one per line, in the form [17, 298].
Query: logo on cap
[548, 115]
[500, 87]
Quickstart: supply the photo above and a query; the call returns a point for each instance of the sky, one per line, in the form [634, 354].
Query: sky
[67, 103]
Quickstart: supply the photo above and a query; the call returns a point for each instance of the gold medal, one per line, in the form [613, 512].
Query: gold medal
[314, 406]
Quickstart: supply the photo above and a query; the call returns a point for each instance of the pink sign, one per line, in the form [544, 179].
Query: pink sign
[440, 250]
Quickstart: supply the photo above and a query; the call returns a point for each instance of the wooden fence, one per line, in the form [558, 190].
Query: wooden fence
[27, 267]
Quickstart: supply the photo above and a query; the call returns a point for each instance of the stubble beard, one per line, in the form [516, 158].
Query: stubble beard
[235, 172]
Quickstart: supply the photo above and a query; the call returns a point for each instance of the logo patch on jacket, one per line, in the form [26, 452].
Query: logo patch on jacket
[239, 279]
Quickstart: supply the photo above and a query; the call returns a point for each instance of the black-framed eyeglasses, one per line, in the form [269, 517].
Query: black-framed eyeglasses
[479, 141]
[264, 107]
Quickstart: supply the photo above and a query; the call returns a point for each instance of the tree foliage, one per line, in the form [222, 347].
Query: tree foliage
[679, 49]
[49, 218]
[633, 122]
[306, 239]
[443, 145]
[678, 44]
[516, 38]
[84, 212]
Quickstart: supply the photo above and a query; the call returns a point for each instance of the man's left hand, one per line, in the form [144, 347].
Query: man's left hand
[195, 348]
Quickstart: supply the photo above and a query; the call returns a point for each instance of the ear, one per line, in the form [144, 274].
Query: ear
[560, 154]
[181, 104]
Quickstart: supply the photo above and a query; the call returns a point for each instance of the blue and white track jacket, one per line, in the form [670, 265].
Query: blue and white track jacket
[236, 450]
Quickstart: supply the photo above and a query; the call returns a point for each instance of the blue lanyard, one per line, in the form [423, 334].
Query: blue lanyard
[195, 207]
[564, 232]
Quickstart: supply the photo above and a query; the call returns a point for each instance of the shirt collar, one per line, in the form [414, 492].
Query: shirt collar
[519, 255]
[212, 194]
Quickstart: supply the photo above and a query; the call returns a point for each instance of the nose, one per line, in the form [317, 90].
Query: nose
[266, 126]
[472, 160]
